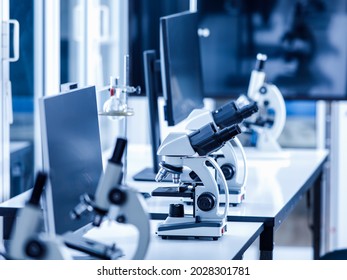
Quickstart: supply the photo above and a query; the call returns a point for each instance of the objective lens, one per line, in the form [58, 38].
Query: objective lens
[176, 178]
[161, 175]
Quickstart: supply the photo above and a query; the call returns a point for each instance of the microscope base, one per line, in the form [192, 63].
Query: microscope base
[93, 248]
[187, 227]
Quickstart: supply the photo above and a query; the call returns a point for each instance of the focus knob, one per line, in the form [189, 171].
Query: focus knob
[206, 201]
[35, 249]
[117, 196]
[228, 171]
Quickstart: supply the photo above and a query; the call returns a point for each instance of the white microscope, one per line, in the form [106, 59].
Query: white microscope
[233, 166]
[112, 197]
[269, 122]
[28, 242]
[187, 158]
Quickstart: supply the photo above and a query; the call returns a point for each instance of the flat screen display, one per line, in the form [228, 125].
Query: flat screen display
[180, 65]
[144, 17]
[71, 153]
[305, 41]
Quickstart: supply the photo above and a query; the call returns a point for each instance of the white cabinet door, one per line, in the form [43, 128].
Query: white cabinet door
[6, 114]
[94, 40]
[4, 121]
[2, 141]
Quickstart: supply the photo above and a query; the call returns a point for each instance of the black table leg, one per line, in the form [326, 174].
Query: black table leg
[266, 243]
[317, 217]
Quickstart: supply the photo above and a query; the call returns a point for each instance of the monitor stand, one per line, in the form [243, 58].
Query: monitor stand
[148, 174]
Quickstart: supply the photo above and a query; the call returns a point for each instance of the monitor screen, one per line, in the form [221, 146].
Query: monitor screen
[144, 16]
[71, 154]
[305, 41]
[180, 66]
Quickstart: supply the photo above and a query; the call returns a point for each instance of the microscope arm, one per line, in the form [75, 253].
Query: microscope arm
[199, 166]
[277, 103]
[244, 159]
[230, 157]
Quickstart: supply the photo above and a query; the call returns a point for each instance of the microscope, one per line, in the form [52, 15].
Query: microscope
[118, 202]
[186, 158]
[28, 242]
[269, 122]
[233, 166]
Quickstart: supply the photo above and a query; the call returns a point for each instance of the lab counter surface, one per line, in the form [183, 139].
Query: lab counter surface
[231, 245]
[272, 183]
[276, 183]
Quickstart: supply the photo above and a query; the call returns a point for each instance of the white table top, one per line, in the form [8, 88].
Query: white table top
[273, 181]
[232, 244]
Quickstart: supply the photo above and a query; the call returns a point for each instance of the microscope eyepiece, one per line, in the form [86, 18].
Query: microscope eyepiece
[226, 115]
[228, 133]
[234, 112]
[249, 110]
[118, 151]
[261, 58]
[207, 140]
[40, 182]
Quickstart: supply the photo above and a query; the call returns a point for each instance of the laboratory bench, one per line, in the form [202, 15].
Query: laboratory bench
[231, 245]
[276, 183]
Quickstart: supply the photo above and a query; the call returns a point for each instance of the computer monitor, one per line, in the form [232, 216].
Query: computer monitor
[305, 42]
[180, 66]
[153, 91]
[71, 153]
[181, 80]
[144, 16]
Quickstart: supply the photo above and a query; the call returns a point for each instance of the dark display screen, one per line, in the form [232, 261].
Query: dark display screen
[180, 66]
[305, 41]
